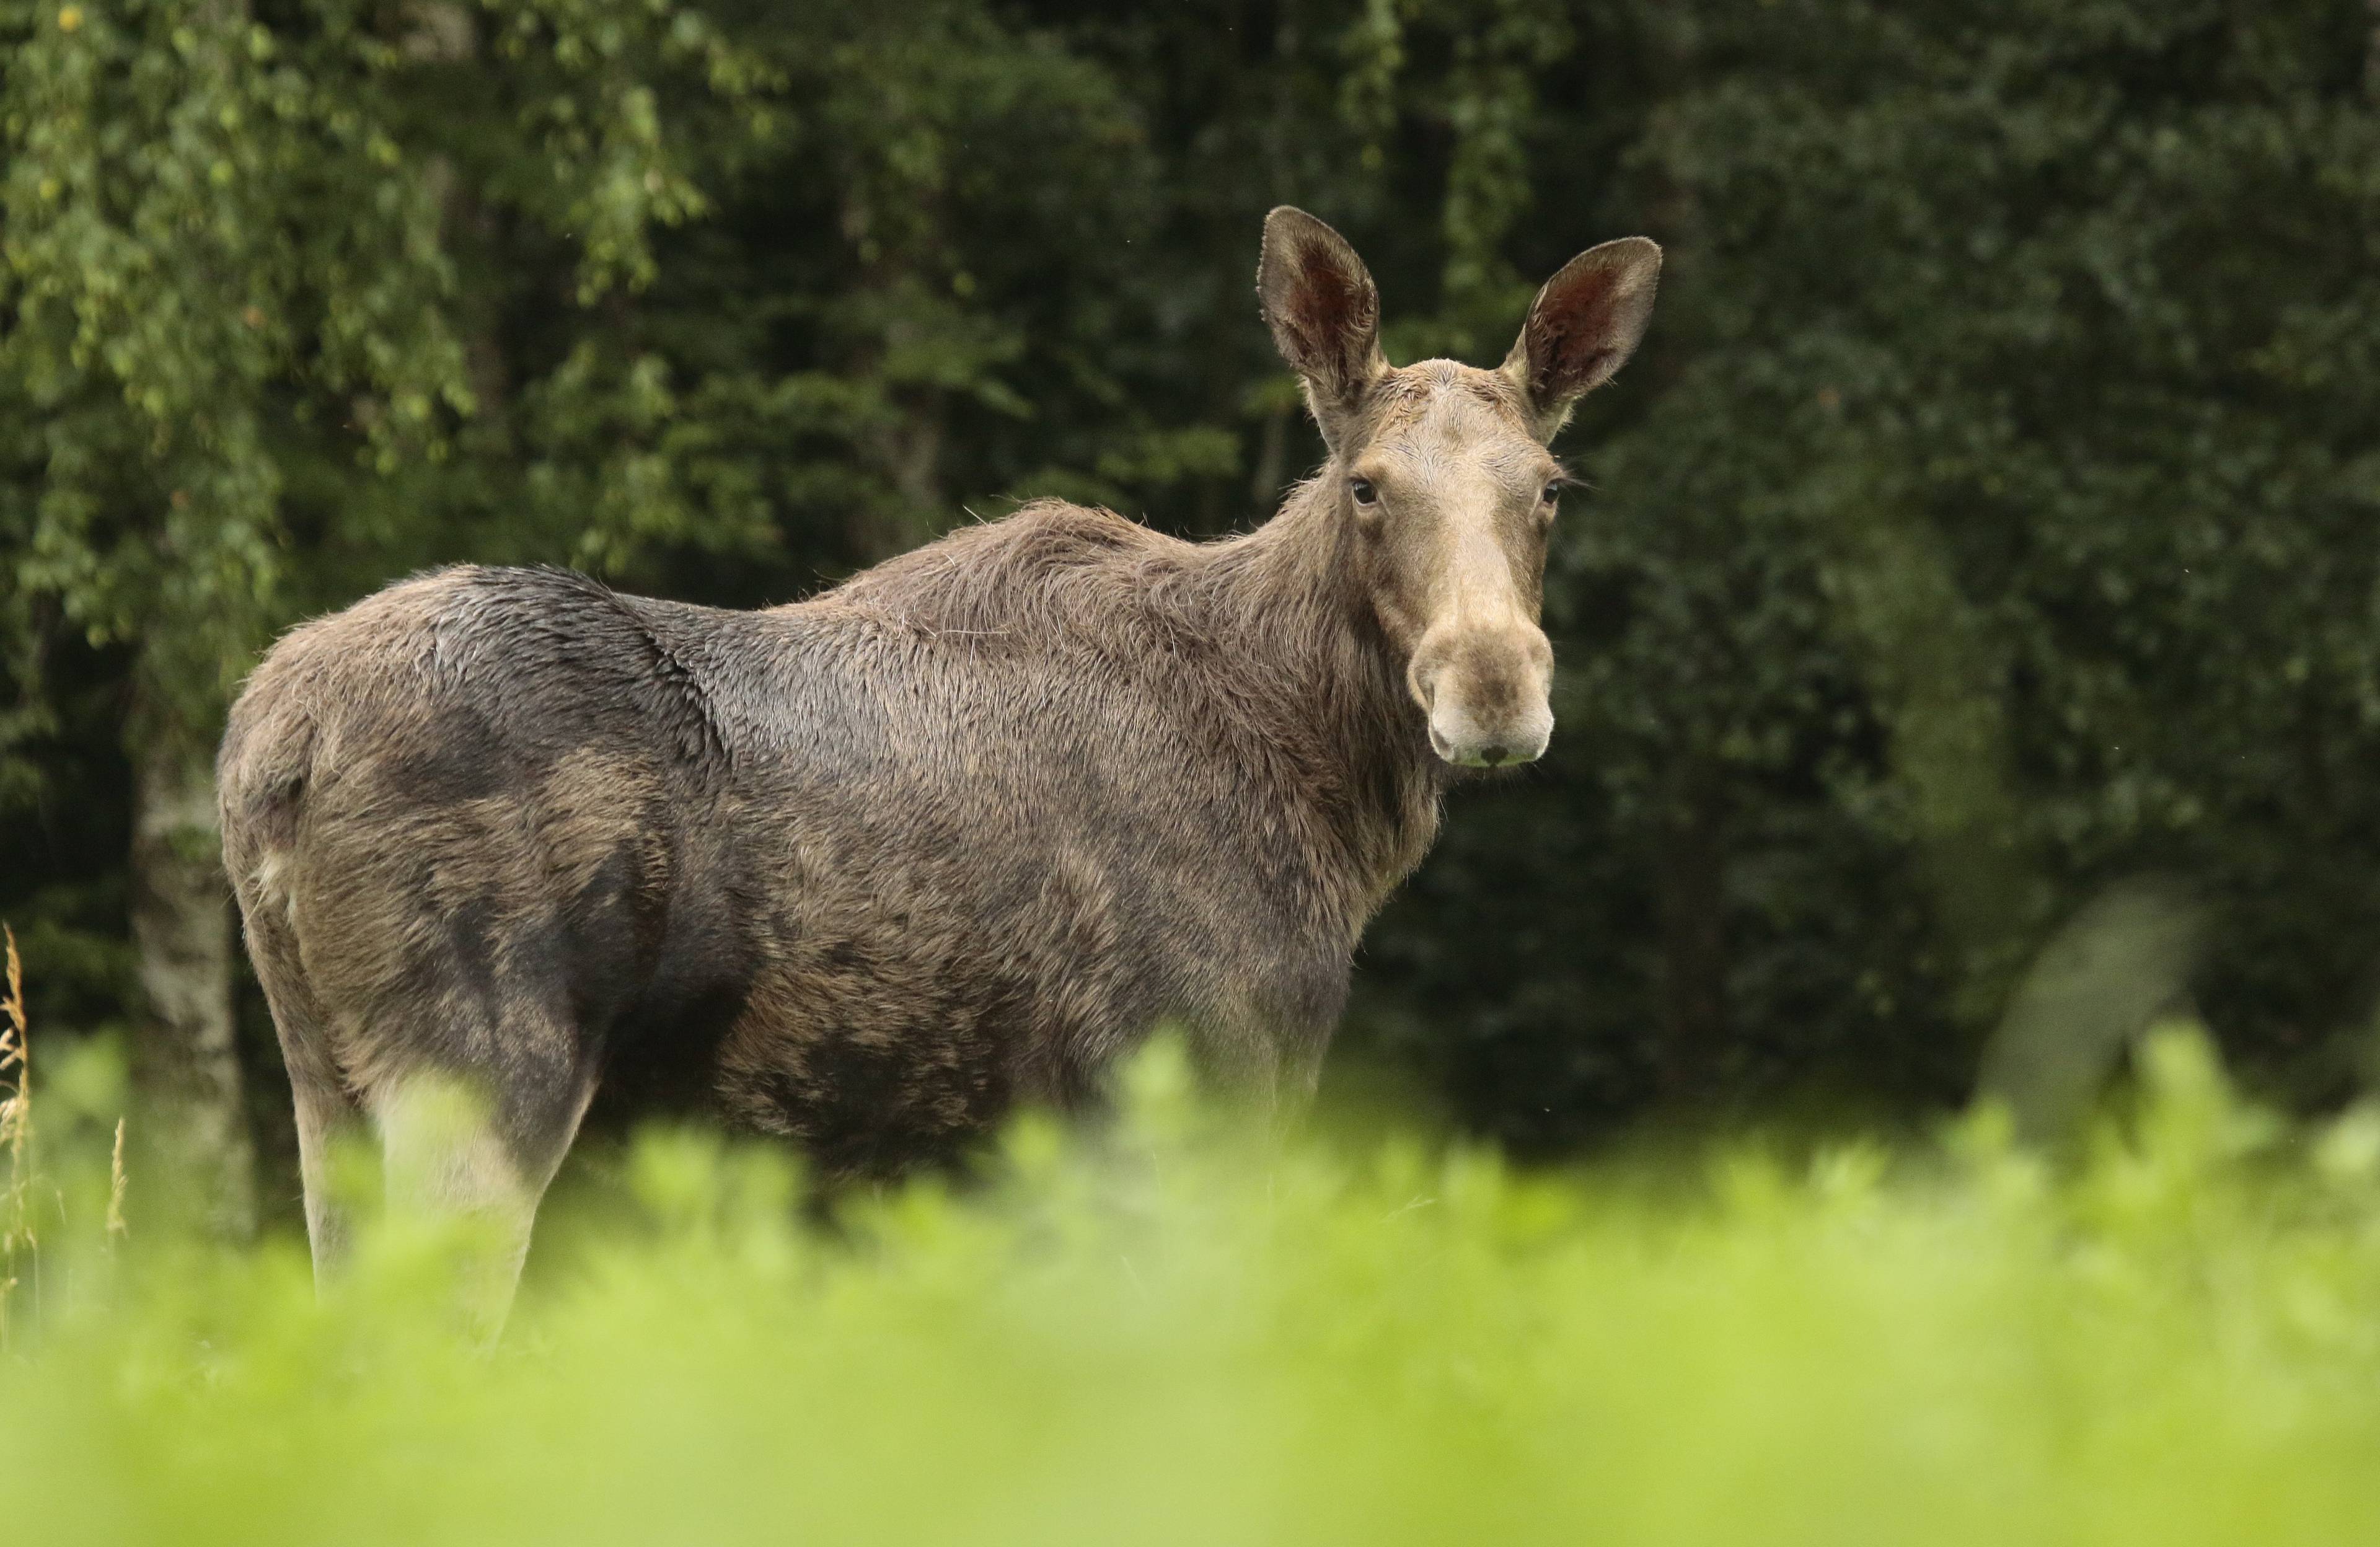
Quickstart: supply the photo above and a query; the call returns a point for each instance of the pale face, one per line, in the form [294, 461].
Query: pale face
[1445, 472]
[1454, 497]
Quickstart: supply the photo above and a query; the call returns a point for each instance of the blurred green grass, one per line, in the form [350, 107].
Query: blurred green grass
[1171, 1331]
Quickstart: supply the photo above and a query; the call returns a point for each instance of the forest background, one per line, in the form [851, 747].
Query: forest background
[1985, 535]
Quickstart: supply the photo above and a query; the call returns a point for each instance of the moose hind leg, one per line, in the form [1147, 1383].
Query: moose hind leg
[482, 1148]
[328, 1118]
[328, 1115]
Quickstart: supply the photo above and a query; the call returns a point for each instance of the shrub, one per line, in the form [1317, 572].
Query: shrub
[1168, 1330]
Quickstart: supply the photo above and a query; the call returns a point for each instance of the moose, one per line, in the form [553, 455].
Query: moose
[868, 869]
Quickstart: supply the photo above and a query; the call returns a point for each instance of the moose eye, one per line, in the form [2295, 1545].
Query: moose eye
[1364, 492]
[1552, 493]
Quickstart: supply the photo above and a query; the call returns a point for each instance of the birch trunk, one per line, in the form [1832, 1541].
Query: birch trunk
[185, 1056]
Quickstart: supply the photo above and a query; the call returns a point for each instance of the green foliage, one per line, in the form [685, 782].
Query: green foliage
[1155, 1335]
[220, 231]
[1986, 523]
[1997, 527]
[230, 290]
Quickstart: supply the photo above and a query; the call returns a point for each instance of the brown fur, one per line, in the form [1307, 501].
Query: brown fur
[869, 869]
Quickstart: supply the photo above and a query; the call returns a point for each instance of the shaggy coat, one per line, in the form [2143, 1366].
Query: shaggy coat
[869, 869]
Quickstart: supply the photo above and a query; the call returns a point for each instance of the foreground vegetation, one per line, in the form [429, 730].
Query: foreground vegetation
[1171, 1331]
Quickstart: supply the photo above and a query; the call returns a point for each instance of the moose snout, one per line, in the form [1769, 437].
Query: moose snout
[1486, 692]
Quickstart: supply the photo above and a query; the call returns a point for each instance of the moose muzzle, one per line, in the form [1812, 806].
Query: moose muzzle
[1487, 689]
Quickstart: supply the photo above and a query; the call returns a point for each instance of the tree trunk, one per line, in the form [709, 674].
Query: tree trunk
[1937, 680]
[1691, 882]
[908, 453]
[1272, 456]
[2372, 53]
[185, 1058]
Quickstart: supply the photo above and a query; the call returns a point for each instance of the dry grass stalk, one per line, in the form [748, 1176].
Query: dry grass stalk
[17, 1239]
[116, 1226]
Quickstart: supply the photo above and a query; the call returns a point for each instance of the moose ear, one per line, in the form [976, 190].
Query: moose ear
[1324, 313]
[1582, 327]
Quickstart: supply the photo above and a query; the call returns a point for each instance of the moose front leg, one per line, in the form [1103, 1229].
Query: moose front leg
[480, 1148]
[1268, 1070]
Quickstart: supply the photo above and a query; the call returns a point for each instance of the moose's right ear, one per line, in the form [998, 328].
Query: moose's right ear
[1324, 313]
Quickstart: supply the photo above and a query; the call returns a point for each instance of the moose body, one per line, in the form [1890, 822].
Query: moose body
[870, 867]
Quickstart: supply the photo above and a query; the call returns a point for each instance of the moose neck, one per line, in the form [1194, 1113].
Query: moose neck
[1329, 691]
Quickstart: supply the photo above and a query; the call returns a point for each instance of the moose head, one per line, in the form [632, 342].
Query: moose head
[1443, 470]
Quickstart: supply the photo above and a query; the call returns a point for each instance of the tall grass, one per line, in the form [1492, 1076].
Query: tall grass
[1168, 1333]
[18, 1237]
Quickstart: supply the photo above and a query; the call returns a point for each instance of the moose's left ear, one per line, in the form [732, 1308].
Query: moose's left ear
[1582, 327]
